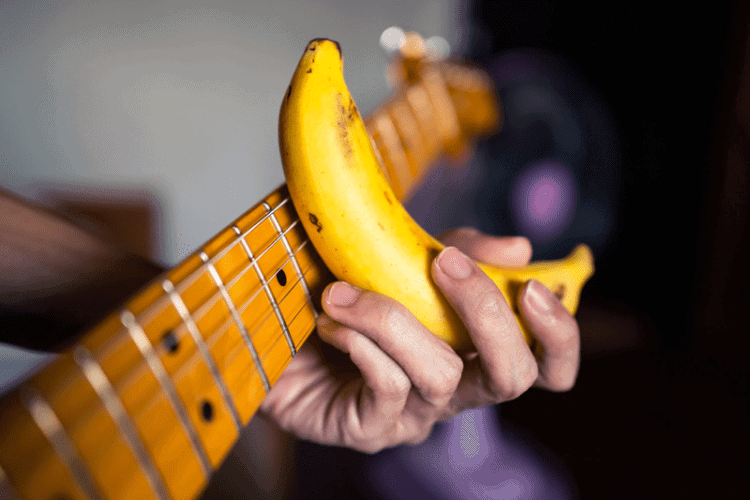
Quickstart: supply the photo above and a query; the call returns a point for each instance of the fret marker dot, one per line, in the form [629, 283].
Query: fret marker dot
[207, 411]
[171, 344]
[281, 277]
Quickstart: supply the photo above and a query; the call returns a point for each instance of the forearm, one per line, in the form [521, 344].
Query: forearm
[55, 278]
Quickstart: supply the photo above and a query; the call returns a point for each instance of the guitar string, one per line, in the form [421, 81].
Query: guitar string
[247, 267]
[133, 372]
[115, 342]
[242, 374]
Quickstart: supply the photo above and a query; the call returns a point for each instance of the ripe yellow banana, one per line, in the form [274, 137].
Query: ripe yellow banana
[357, 225]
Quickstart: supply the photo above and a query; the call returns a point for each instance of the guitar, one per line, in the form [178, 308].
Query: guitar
[149, 402]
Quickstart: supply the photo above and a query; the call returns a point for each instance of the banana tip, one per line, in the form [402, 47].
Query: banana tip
[315, 42]
[583, 254]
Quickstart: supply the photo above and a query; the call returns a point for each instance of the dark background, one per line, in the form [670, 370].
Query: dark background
[669, 418]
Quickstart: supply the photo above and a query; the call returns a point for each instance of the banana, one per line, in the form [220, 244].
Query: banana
[357, 225]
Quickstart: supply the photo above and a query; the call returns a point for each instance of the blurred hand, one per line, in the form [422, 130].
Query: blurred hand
[399, 379]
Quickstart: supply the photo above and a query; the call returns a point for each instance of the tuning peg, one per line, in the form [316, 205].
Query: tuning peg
[391, 39]
[411, 45]
[437, 47]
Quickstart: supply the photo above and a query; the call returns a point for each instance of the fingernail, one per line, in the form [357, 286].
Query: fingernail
[453, 263]
[540, 299]
[342, 294]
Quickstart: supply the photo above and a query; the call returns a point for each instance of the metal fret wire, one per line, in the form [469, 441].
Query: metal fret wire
[236, 352]
[46, 419]
[107, 394]
[240, 348]
[220, 331]
[288, 248]
[192, 328]
[99, 381]
[238, 321]
[269, 294]
[230, 357]
[167, 384]
[150, 313]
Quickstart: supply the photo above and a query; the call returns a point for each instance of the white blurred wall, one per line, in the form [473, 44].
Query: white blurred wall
[178, 98]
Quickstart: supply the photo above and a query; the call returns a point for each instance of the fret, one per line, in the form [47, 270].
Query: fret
[264, 332]
[472, 95]
[185, 374]
[152, 416]
[46, 419]
[91, 430]
[99, 382]
[406, 127]
[157, 368]
[392, 152]
[267, 290]
[424, 115]
[447, 119]
[294, 304]
[277, 358]
[287, 246]
[203, 348]
[153, 413]
[32, 467]
[235, 315]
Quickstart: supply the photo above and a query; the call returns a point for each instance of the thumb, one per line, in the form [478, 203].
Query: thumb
[503, 251]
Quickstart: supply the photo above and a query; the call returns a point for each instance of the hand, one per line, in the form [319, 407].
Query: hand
[399, 378]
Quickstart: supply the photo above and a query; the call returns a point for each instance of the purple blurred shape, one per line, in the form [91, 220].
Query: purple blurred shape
[543, 200]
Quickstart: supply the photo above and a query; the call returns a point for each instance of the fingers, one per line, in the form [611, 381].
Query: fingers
[509, 251]
[430, 365]
[386, 385]
[505, 366]
[558, 342]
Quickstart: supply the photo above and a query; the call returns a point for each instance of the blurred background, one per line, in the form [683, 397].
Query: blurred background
[154, 124]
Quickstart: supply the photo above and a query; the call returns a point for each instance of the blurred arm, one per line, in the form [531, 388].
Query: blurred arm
[55, 278]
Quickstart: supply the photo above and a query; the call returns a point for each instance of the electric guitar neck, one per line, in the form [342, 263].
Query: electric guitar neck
[150, 402]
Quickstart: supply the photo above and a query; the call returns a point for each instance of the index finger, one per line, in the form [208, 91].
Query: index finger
[505, 366]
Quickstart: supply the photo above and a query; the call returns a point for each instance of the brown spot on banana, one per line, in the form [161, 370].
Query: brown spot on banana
[343, 124]
[388, 197]
[315, 222]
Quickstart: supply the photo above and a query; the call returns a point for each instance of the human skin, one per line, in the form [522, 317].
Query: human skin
[372, 377]
[399, 379]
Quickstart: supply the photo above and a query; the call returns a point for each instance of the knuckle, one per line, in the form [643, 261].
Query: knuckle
[392, 383]
[501, 389]
[444, 381]
[512, 385]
